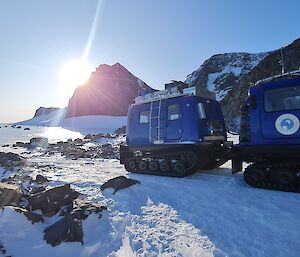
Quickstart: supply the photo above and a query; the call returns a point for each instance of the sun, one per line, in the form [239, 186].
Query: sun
[73, 74]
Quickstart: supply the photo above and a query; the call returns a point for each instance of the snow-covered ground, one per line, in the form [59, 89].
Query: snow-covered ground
[210, 213]
[83, 124]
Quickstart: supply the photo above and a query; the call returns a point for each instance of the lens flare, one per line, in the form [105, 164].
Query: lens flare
[73, 73]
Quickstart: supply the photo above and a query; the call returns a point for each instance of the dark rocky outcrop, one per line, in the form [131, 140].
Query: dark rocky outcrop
[118, 183]
[50, 201]
[109, 91]
[269, 66]
[9, 194]
[67, 229]
[41, 179]
[230, 75]
[31, 216]
[120, 131]
[39, 142]
[45, 110]
[11, 160]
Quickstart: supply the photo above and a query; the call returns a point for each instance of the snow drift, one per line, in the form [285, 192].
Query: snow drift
[84, 124]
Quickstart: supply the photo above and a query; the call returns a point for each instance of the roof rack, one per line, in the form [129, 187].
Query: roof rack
[286, 74]
[165, 94]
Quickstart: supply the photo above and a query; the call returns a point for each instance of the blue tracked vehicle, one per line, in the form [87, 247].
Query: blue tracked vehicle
[270, 134]
[174, 133]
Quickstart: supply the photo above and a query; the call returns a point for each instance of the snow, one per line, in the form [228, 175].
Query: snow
[226, 64]
[211, 213]
[83, 124]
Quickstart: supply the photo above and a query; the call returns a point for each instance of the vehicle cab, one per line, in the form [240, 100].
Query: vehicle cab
[272, 113]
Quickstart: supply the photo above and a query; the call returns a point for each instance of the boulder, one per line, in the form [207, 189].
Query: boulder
[26, 128]
[67, 229]
[39, 142]
[11, 160]
[88, 136]
[118, 183]
[120, 131]
[81, 209]
[31, 216]
[21, 144]
[41, 179]
[9, 194]
[50, 201]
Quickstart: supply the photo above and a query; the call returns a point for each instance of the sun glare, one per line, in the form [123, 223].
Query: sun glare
[73, 74]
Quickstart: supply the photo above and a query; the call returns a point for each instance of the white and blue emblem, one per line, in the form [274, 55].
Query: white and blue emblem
[287, 124]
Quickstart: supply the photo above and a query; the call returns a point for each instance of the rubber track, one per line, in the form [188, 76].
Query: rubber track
[169, 157]
[268, 169]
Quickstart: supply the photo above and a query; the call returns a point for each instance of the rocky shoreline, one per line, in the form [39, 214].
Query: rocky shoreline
[61, 207]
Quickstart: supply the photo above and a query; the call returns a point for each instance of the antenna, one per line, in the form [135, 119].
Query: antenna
[282, 63]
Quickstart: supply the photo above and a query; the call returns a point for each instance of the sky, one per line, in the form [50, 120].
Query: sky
[158, 40]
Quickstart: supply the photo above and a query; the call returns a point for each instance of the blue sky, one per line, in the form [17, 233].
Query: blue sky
[157, 40]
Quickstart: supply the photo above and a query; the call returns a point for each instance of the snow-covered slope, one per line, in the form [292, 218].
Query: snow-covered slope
[222, 72]
[84, 124]
[210, 213]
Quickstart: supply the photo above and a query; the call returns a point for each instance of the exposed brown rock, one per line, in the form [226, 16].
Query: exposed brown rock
[9, 194]
[67, 229]
[50, 201]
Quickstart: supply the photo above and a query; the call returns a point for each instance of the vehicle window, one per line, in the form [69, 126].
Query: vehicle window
[282, 99]
[201, 110]
[173, 112]
[144, 117]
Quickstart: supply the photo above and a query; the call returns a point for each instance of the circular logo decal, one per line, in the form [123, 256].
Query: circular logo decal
[287, 124]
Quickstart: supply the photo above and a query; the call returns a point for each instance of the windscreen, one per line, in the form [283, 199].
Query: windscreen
[282, 99]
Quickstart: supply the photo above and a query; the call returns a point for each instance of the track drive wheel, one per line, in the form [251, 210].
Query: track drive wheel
[153, 166]
[284, 178]
[130, 165]
[142, 165]
[179, 168]
[165, 167]
[255, 176]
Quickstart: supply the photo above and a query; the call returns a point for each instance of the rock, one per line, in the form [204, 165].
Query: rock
[18, 127]
[120, 131]
[88, 136]
[79, 142]
[31, 216]
[45, 110]
[107, 151]
[67, 229]
[9, 194]
[118, 183]
[26, 128]
[39, 142]
[5, 146]
[41, 179]
[50, 201]
[81, 209]
[11, 160]
[21, 144]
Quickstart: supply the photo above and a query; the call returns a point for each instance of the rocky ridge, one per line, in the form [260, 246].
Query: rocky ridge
[109, 91]
[230, 75]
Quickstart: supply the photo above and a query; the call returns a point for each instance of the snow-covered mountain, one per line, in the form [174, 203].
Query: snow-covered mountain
[222, 72]
[230, 75]
[109, 91]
